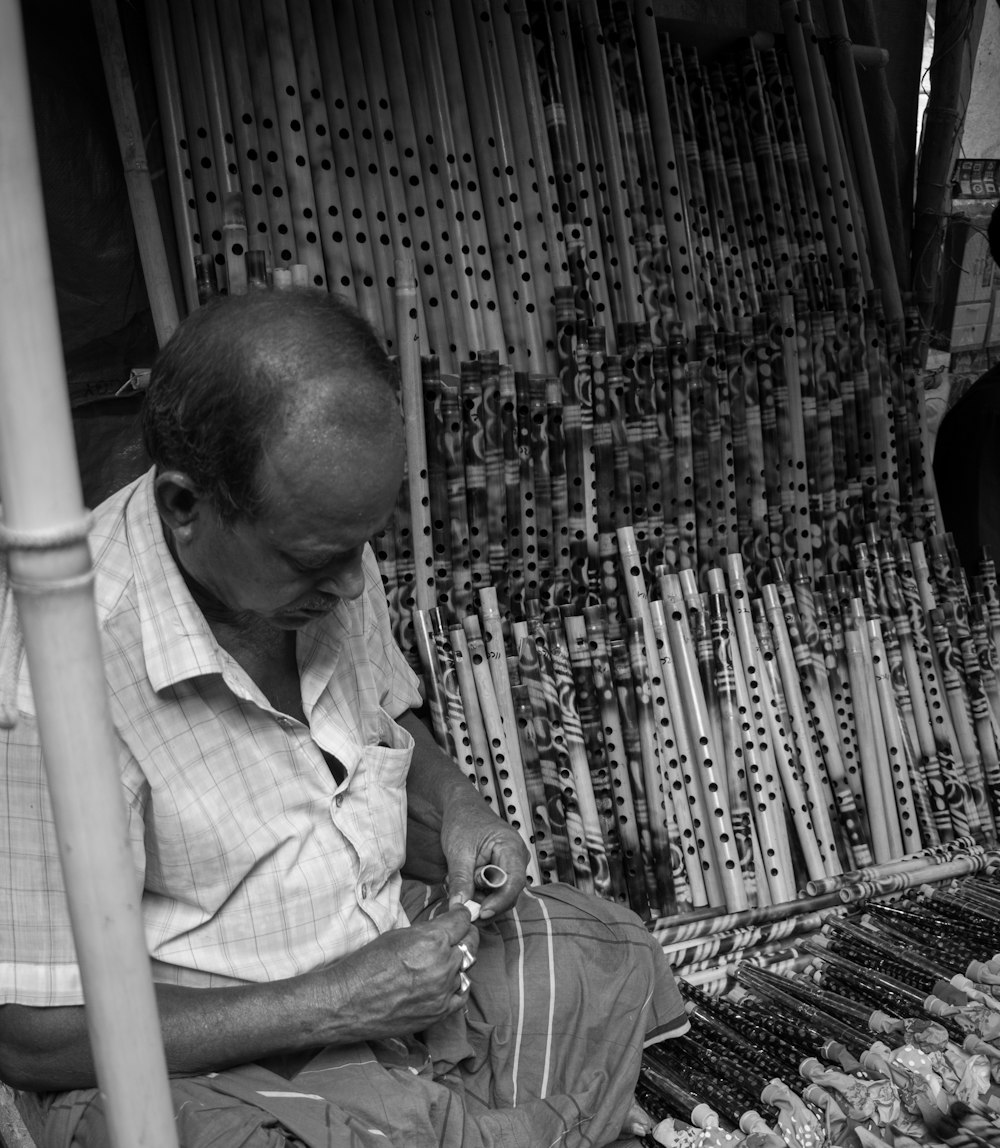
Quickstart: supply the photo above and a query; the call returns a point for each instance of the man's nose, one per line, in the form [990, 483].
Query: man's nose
[346, 582]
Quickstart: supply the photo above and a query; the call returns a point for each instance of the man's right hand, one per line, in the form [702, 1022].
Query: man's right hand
[403, 981]
[397, 985]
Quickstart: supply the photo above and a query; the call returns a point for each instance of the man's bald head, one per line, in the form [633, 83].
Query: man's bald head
[246, 373]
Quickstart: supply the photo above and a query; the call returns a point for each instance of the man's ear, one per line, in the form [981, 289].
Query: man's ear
[179, 502]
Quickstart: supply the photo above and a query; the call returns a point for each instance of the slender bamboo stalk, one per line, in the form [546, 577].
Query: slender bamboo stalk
[51, 575]
[152, 253]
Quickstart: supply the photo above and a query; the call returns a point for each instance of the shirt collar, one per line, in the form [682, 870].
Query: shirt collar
[177, 642]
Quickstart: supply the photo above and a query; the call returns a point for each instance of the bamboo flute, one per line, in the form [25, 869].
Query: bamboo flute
[411, 394]
[900, 760]
[956, 797]
[514, 179]
[685, 519]
[544, 837]
[639, 740]
[680, 929]
[272, 38]
[488, 159]
[570, 163]
[658, 118]
[573, 634]
[820, 164]
[748, 444]
[496, 493]
[395, 557]
[149, 236]
[896, 882]
[678, 763]
[538, 442]
[452, 240]
[683, 954]
[634, 188]
[381, 158]
[178, 23]
[728, 199]
[512, 803]
[572, 857]
[173, 129]
[631, 815]
[724, 687]
[527, 495]
[570, 722]
[770, 440]
[818, 700]
[817, 782]
[701, 462]
[745, 88]
[437, 277]
[727, 529]
[433, 680]
[815, 839]
[448, 103]
[574, 143]
[974, 787]
[475, 723]
[586, 54]
[255, 67]
[437, 478]
[715, 302]
[743, 195]
[917, 860]
[496, 653]
[652, 782]
[886, 471]
[342, 221]
[51, 577]
[659, 287]
[764, 793]
[533, 162]
[237, 221]
[559, 486]
[384, 224]
[461, 562]
[474, 464]
[704, 745]
[886, 836]
[513, 500]
[607, 588]
[800, 206]
[451, 695]
[856, 126]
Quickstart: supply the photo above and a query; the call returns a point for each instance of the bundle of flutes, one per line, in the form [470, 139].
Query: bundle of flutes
[671, 456]
[891, 1029]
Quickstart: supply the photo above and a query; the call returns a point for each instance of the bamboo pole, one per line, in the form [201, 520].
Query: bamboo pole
[411, 389]
[152, 253]
[883, 267]
[173, 131]
[52, 579]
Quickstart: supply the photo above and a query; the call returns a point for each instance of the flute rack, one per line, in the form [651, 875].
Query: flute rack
[667, 555]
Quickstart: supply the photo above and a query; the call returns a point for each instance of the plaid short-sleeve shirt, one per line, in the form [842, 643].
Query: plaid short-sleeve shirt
[255, 862]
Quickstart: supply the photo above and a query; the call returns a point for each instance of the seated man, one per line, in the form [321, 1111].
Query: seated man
[277, 784]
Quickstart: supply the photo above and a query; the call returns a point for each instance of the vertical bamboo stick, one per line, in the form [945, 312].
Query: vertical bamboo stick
[45, 532]
[174, 131]
[152, 253]
[512, 800]
[411, 391]
[856, 122]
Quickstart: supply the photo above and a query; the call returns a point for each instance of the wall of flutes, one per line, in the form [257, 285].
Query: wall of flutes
[667, 553]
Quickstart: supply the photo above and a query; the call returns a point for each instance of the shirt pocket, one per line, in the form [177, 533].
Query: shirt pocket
[380, 783]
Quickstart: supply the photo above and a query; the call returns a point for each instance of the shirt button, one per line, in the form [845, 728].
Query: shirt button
[284, 723]
[339, 800]
[364, 892]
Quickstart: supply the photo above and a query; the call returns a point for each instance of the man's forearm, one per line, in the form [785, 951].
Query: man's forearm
[204, 1030]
